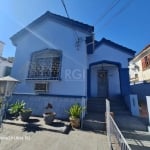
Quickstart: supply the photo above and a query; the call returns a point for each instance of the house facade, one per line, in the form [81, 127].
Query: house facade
[140, 66]
[58, 61]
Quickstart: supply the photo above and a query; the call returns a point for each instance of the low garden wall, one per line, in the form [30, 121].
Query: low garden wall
[38, 103]
[142, 90]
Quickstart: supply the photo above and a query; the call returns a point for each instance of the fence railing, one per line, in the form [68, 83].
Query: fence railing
[115, 138]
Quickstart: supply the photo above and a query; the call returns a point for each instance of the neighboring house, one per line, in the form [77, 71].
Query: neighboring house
[139, 70]
[5, 64]
[140, 66]
[58, 61]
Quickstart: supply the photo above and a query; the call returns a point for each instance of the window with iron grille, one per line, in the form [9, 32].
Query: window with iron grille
[45, 65]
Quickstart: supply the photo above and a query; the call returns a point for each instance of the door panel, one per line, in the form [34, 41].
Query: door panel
[102, 87]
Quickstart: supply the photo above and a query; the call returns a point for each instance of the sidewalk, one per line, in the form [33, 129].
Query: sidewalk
[16, 138]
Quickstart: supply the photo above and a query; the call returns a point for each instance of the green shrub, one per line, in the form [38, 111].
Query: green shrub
[75, 111]
[17, 108]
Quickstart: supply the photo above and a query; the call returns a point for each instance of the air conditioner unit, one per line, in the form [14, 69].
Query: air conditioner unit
[41, 87]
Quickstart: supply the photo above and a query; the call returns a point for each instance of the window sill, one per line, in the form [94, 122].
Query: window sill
[41, 79]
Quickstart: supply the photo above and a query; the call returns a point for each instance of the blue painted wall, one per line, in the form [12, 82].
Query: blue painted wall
[124, 81]
[142, 90]
[52, 35]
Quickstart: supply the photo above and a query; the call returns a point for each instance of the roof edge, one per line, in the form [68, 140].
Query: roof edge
[78, 25]
[116, 45]
[144, 50]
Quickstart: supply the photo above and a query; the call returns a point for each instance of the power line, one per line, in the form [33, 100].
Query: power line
[64, 5]
[77, 39]
[113, 4]
[118, 13]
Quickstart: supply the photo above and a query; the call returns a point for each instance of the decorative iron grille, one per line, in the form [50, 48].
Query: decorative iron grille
[45, 65]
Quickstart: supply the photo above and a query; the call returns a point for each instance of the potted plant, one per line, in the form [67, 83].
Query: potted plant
[74, 115]
[49, 115]
[18, 109]
[25, 114]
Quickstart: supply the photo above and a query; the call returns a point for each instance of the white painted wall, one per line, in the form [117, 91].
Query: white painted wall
[143, 75]
[50, 34]
[1, 48]
[3, 64]
[114, 81]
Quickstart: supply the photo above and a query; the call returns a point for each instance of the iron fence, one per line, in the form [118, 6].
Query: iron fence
[115, 138]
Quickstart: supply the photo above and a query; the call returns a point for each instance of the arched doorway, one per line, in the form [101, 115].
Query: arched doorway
[104, 79]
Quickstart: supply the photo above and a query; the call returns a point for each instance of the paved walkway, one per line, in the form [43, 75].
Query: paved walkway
[138, 140]
[16, 138]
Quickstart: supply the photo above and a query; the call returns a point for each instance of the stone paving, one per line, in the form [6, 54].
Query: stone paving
[15, 137]
[138, 140]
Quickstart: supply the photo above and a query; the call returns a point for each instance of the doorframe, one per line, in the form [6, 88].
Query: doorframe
[118, 64]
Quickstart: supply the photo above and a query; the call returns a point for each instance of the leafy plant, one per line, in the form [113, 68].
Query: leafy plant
[17, 108]
[75, 111]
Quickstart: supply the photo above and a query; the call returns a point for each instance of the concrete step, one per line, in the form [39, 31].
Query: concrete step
[98, 105]
[103, 102]
[94, 122]
[126, 112]
[102, 109]
[96, 99]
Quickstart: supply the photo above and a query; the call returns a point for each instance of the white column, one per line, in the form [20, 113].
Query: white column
[134, 105]
[148, 108]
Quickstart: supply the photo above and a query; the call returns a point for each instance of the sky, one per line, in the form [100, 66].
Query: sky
[126, 22]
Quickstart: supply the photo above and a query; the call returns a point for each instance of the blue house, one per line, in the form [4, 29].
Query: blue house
[58, 61]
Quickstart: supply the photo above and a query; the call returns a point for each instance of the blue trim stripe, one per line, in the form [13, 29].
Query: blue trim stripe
[51, 95]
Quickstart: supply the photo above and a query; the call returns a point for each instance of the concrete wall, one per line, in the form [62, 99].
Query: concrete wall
[49, 34]
[38, 103]
[142, 90]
